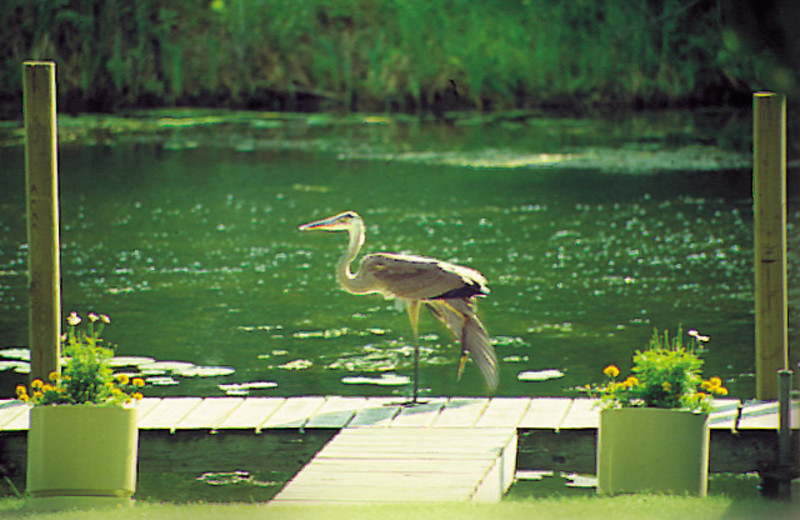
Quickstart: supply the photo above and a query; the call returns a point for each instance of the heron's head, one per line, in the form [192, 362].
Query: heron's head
[341, 222]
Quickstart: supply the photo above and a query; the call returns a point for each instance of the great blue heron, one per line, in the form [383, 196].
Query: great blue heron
[448, 290]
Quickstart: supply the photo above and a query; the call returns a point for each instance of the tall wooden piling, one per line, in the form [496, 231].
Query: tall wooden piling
[769, 198]
[41, 183]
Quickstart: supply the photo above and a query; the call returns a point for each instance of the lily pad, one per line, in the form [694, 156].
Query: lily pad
[382, 380]
[14, 365]
[533, 474]
[580, 481]
[130, 361]
[297, 364]
[167, 366]
[233, 477]
[205, 371]
[540, 375]
[240, 389]
[16, 353]
[162, 381]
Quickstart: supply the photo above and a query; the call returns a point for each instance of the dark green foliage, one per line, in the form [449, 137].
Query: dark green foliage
[365, 54]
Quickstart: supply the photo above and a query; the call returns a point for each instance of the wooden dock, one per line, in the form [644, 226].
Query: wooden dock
[447, 449]
[265, 413]
[407, 464]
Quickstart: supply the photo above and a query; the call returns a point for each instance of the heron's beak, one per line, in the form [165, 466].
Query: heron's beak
[326, 224]
[341, 222]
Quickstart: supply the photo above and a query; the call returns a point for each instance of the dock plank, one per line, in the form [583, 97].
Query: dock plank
[11, 411]
[436, 442]
[294, 413]
[503, 412]
[761, 416]
[461, 412]
[545, 413]
[209, 413]
[17, 418]
[394, 464]
[336, 412]
[253, 412]
[420, 416]
[378, 411]
[723, 414]
[582, 414]
[168, 413]
[145, 406]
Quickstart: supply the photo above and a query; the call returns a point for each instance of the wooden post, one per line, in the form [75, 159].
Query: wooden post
[41, 183]
[769, 197]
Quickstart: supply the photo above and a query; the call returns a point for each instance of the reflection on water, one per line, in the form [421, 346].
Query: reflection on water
[194, 253]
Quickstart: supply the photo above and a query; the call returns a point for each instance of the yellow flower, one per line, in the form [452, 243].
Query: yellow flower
[37, 395]
[138, 382]
[24, 398]
[631, 381]
[721, 390]
[37, 383]
[611, 371]
[92, 317]
[705, 385]
[54, 376]
[667, 386]
[614, 387]
[123, 379]
[21, 390]
[715, 382]
[48, 387]
[137, 395]
[702, 395]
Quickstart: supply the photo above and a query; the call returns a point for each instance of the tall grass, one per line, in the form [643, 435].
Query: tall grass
[634, 507]
[372, 54]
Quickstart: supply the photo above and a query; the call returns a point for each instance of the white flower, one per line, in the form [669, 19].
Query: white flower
[73, 319]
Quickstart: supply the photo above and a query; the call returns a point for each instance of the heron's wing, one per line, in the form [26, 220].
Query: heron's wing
[421, 278]
[458, 315]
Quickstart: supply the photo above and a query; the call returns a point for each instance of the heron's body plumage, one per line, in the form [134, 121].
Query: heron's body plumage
[421, 278]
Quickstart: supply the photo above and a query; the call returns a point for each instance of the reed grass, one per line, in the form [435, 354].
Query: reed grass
[373, 54]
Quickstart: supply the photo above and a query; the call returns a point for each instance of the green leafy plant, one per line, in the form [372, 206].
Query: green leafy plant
[86, 376]
[665, 375]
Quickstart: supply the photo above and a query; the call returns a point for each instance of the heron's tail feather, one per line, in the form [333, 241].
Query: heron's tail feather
[458, 315]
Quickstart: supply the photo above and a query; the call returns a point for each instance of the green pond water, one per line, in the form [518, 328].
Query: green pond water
[182, 227]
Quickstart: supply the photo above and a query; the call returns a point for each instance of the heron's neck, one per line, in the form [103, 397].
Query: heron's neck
[352, 283]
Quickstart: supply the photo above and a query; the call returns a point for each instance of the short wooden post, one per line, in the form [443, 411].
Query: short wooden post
[41, 182]
[769, 197]
[785, 461]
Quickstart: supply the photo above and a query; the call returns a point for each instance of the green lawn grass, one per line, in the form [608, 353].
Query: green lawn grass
[638, 507]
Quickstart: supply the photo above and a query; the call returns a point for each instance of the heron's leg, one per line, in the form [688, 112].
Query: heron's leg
[413, 317]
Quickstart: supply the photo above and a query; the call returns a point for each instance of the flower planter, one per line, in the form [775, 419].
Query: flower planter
[652, 450]
[81, 456]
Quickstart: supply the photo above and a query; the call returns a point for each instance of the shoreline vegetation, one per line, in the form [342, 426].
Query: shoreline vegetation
[378, 55]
